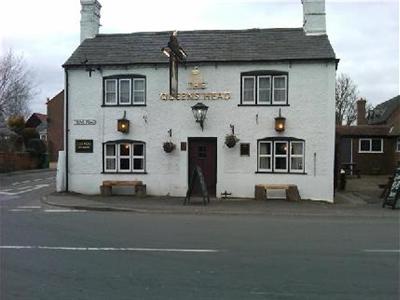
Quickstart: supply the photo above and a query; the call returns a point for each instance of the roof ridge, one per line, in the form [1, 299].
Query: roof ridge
[203, 31]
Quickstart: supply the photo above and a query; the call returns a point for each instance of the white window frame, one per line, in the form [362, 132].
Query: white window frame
[296, 156]
[134, 102]
[107, 92]
[280, 89]
[286, 156]
[398, 145]
[119, 92]
[115, 157]
[138, 157]
[370, 145]
[254, 90]
[258, 89]
[129, 156]
[265, 155]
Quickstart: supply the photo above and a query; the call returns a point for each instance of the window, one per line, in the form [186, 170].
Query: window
[245, 149]
[124, 90]
[249, 88]
[110, 91]
[265, 156]
[281, 155]
[370, 146]
[124, 157]
[264, 88]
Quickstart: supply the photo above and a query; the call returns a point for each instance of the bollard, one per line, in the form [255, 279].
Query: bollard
[342, 180]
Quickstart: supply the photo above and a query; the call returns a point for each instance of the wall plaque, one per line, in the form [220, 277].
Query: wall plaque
[84, 122]
[84, 146]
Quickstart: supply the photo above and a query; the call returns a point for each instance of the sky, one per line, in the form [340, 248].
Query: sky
[363, 33]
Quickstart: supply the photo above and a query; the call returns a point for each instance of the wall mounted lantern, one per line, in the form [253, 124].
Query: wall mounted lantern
[123, 124]
[280, 122]
[199, 112]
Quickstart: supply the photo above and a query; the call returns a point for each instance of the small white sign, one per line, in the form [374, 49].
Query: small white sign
[84, 122]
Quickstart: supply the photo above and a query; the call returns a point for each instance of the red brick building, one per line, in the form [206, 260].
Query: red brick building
[55, 126]
[373, 145]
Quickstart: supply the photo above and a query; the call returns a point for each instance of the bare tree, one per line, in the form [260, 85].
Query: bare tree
[16, 86]
[346, 95]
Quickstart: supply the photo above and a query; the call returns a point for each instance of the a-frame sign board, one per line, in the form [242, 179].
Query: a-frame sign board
[394, 193]
[197, 175]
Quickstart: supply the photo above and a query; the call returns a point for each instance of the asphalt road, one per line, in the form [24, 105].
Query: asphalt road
[52, 253]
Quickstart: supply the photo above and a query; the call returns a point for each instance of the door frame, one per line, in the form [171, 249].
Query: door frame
[208, 139]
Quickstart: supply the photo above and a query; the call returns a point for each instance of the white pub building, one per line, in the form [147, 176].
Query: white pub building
[266, 96]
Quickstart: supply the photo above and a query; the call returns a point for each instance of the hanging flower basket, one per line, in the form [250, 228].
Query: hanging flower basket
[168, 147]
[231, 140]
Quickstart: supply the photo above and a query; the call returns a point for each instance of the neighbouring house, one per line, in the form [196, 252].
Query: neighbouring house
[120, 115]
[373, 145]
[55, 125]
[39, 122]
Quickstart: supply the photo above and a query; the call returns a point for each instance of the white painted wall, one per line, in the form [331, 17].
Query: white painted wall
[310, 116]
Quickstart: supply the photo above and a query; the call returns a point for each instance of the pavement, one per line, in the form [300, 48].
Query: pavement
[360, 198]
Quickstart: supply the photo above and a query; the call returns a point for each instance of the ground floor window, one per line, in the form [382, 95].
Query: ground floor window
[124, 156]
[281, 155]
[370, 145]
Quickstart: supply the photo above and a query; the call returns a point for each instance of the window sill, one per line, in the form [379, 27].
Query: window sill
[282, 173]
[370, 152]
[263, 104]
[122, 173]
[122, 105]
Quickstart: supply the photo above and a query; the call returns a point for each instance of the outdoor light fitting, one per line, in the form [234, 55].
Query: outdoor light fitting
[280, 122]
[123, 124]
[199, 112]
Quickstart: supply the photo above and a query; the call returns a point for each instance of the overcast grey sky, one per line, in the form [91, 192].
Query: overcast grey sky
[364, 34]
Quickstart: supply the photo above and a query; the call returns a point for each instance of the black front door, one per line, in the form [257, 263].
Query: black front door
[203, 152]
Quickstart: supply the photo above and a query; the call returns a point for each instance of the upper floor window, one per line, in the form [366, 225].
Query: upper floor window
[281, 155]
[124, 90]
[370, 146]
[264, 88]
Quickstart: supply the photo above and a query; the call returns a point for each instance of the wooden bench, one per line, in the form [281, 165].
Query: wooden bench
[106, 187]
[292, 192]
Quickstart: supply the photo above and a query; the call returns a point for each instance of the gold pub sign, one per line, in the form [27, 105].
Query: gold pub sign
[195, 83]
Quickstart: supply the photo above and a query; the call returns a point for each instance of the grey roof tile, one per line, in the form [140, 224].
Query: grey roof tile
[203, 46]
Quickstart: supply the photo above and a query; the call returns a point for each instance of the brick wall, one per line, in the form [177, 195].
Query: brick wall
[55, 126]
[16, 161]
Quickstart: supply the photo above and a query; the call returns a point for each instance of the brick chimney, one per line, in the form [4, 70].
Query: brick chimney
[90, 19]
[314, 20]
[361, 112]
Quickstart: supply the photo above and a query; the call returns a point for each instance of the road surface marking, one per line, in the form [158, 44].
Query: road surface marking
[15, 183]
[38, 179]
[112, 249]
[25, 187]
[33, 206]
[382, 250]
[63, 210]
[7, 190]
[36, 187]
[19, 209]
[25, 181]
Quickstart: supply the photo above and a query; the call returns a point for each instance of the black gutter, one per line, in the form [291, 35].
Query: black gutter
[189, 62]
[66, 130]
